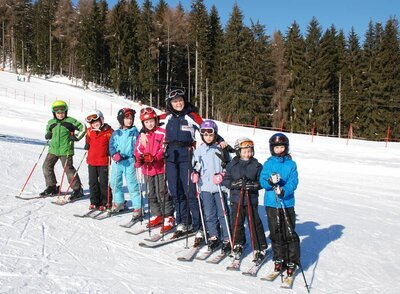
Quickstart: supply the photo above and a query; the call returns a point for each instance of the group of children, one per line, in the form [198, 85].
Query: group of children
[184, 183]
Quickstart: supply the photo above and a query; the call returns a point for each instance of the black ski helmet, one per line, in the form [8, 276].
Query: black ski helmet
[122, 113]
[279, 139]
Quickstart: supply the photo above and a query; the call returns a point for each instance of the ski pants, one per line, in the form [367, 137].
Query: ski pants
[214, 214]
[182, 191]
[67, 162]
[159, 200]
[98, 185]
[284, 241]
[259, 240]
[125, 167]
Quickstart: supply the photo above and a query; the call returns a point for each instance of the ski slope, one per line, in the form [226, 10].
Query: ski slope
[347, 204]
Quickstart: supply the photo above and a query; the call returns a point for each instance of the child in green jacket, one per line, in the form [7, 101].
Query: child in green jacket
[62, 131]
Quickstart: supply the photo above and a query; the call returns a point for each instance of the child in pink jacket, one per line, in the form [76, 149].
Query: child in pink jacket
[151, 161]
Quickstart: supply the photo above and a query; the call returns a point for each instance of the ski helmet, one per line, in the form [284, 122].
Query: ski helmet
[59, 106]
[148, 113]
[279, 139]
[95, 115]
[244, 142]
[174, 94]
[208, 127]
[125, 112]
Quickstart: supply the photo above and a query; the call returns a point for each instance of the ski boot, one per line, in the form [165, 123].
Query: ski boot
[50, 191]
[259, 256]
[213, 243]
[117, 207]
[168, 224]
[76, 194]
[291, 268]
[198, 239]
[226, 247]
[181, 230]
[278, 265]
[137, 214]
[237, 251]
[155, 221]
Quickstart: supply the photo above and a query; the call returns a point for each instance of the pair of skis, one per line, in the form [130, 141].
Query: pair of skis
[101, 215]
[287, 281]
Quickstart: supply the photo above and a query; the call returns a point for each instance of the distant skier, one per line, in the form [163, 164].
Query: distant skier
[151, 160]
[97, 141]
[241, 177]
[279, 178]
[62, 131]
[122, 145]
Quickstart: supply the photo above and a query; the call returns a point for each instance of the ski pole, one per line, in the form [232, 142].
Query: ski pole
[201, 213]
[291, 239]
[139, 180]
[33, 168]
[250, 219]
[147, 179]
[165, 190]
[187, 196]
[221, 197]
[236, 221]
[108, 183]
[62, 179]
[75, 174]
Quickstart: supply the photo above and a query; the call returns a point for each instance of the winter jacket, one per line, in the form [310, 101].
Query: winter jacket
[237, 169]
[287, 169]
[123, 141]
[98, 141]
[209, 164]
[180, 133]
[155, 146]
[61, 132]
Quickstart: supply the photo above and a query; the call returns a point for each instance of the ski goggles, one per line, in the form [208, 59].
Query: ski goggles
[246, 144]
[146, 110]
[206, 132]
[92, 117]
[175, 93]
[59, 109]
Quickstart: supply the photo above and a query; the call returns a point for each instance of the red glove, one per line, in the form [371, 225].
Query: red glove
[195, 177]
[148, 158]
[218, 178]
[117, 157]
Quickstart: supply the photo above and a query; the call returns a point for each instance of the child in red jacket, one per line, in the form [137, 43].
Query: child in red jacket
[151, 159]
[97, 139]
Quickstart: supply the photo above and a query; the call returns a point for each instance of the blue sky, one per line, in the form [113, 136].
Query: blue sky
[279, 14]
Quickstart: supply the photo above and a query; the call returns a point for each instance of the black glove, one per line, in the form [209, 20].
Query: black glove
[73, 138]
[279, 191]
[224, 156]
[238, 184]
[52, 127]
[48, 135]
[69, 126]
[87, 146]
[252, 186]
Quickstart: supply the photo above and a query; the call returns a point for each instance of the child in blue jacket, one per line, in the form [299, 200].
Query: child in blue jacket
[279, 178]
[209, 162]
[122, 147]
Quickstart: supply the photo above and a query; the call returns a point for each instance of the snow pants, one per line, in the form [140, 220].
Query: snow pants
[182, 191]
[49, 175]
[118, 169]
[285, 243]
[159, 200]
[258, 232]
[214, 214]
[98, 186]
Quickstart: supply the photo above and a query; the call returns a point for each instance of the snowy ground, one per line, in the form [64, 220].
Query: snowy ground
[348, 211]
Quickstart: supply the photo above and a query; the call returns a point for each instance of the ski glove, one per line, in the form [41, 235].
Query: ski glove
[279, 191]
[238, 184]
[195, 177]
[252, 186]
[69, 126]
[117, 157]
[148, 158]
[87, 146]
[48, 135]
[73, 138]
[218, 178]
[274, 179]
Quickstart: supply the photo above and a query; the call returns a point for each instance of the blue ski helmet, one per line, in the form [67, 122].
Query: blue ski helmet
[279, 139]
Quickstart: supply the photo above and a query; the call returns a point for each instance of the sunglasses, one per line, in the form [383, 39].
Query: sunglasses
[59, 109]
[205, 132]
[175, 93]
[91, 118]
[146, 110]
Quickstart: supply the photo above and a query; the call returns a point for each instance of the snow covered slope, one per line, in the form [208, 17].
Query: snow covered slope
[347, 204]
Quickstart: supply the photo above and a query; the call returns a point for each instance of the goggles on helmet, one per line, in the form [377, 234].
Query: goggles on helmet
[58, 109]
[92, 117]
[246, 144]
[175, 93]
[146, 110]
[204, 132]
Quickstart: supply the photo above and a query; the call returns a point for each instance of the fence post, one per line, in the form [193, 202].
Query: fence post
[281, 127]
[387, 136]
[349, 133]
[312, 132]
[255, 125]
